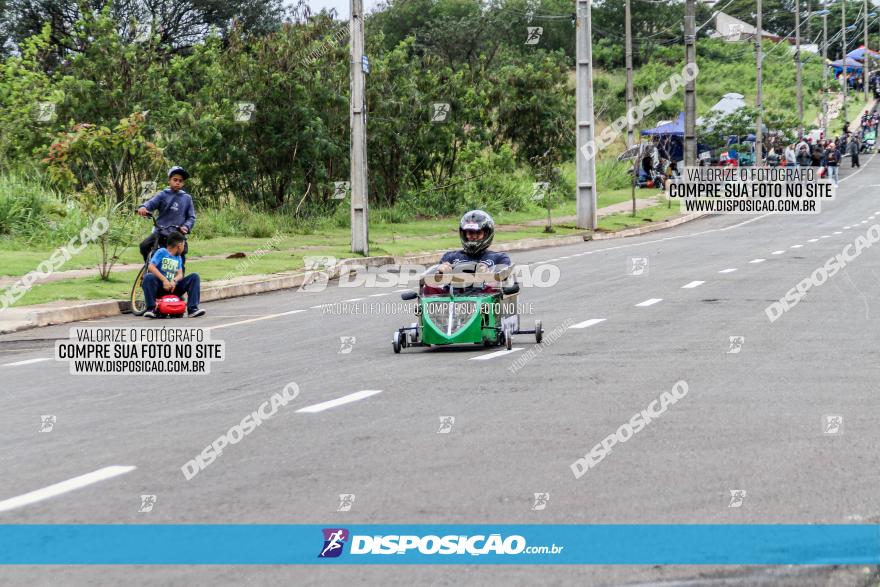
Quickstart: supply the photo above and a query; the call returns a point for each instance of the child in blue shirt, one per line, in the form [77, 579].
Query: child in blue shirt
[165, 276]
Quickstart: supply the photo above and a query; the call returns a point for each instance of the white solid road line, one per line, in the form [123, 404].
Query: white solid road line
[496, 354]
[65, 486]
[27, 362]
[730, 270]
[379, 295]
[649, 302]
[254, 319]
[346, 399]
[743, 223]
[692, 284]
[352, 300]
[757, 260]
[711, 230]
[587, 323]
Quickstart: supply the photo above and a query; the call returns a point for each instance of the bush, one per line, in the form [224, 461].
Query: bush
[612, 174]
[33, 212]
[489, 180]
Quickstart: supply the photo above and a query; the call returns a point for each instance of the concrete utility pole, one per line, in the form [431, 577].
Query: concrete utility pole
[843, 53]
[586, 166]
[809, 24]
[690, 88]
[630, 99]
[824, 72]
[759, 94]
[359, 186]
[800, 89]
[866, 58]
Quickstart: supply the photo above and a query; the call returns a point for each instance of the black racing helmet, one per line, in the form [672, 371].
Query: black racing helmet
[473, 221]
[178, 170]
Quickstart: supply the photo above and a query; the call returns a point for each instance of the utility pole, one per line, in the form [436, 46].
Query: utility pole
[690, 88]
[824, 72]
[586, 162]
[629, 76]
[759, 94]
[843, 58]
[866, 61]
[797, 53]
[359, 186]
[809, 32]
[630, 100]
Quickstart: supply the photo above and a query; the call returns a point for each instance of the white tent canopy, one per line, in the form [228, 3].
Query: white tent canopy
[728, 103]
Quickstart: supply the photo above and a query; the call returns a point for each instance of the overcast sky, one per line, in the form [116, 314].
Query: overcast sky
[341, 6]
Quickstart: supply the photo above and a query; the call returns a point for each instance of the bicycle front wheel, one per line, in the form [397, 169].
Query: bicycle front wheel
[137, 300]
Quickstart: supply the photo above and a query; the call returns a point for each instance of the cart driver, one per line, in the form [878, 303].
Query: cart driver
[476, 231]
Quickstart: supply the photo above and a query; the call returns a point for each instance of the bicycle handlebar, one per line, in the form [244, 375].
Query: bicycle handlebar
[161, 228]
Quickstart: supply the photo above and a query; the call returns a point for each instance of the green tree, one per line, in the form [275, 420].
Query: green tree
[110, 163]
[25, 125]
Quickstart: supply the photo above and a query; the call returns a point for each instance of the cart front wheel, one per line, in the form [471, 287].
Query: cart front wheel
[395, 342]
[539, 332]
[508, 339]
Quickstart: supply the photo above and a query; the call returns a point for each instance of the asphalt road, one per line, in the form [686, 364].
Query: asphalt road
[753, 420]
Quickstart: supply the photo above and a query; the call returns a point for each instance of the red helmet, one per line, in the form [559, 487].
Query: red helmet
[171, 305]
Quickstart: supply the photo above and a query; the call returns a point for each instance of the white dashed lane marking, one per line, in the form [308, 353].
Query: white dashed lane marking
[27, 362]
[346, 399]
[64, 487]
[649, 302]
[496, 354]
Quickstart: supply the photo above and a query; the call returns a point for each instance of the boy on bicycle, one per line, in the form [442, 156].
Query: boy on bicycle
[166, 273]
[175, 209]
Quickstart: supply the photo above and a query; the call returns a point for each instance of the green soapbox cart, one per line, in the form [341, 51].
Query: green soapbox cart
[464, 306]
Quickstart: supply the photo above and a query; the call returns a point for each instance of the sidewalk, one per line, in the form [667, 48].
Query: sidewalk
[61, 312]
[6, 281]
[619, 208]
[835, 107]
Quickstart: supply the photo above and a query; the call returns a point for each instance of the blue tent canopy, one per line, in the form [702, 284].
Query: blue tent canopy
[852, 66]
[860, 54]
[675, 128]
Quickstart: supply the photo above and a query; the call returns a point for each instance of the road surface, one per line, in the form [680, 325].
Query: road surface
[753, 420]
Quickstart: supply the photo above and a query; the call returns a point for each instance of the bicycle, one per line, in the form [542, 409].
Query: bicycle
[137, 301]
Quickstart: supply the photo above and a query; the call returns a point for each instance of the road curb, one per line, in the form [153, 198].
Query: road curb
[85, 311]
[668, 223]
[289, 280]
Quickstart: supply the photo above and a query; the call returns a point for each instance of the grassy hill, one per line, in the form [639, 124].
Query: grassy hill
[724, 68]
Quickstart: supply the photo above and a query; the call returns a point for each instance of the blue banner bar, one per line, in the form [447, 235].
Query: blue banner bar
[226, 544]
